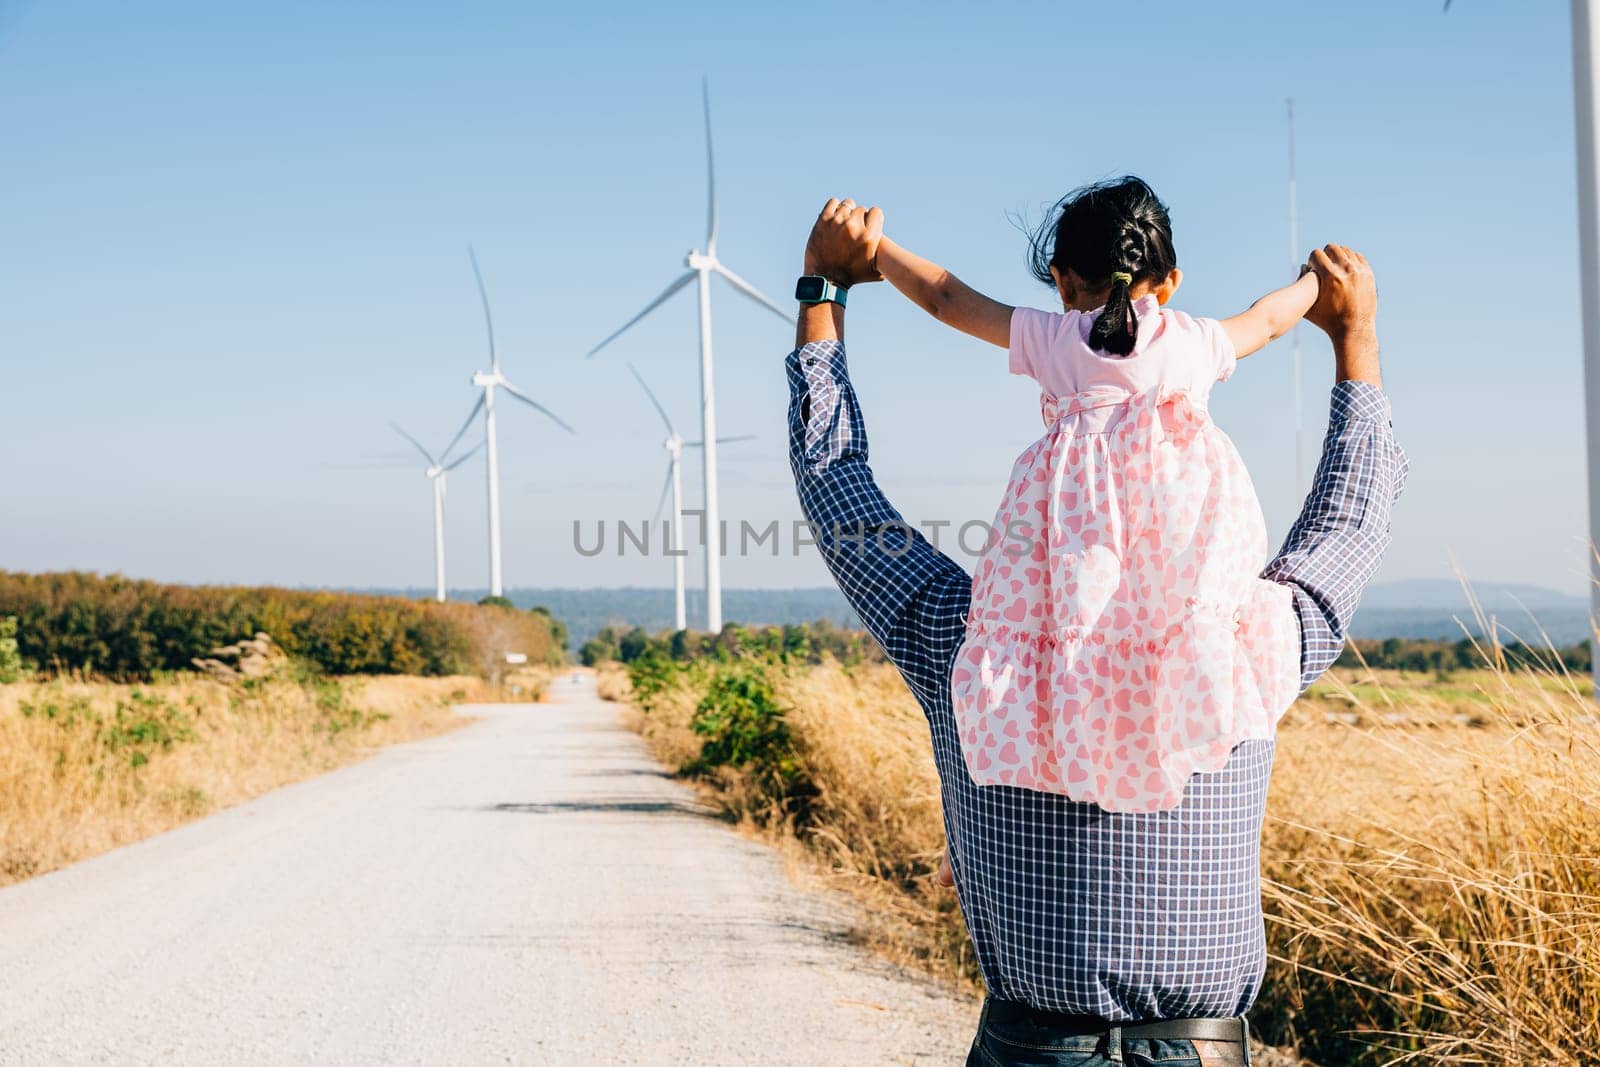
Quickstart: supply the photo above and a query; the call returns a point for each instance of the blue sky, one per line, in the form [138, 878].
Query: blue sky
[234, 247]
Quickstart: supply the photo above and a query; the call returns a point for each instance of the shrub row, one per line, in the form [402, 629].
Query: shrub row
[1442, 657]
[129, 629]
[793, 643]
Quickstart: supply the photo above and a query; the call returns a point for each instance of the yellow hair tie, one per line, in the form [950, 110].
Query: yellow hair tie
[1121, 276]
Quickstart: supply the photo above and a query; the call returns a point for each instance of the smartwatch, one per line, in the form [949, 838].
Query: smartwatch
[815, 289]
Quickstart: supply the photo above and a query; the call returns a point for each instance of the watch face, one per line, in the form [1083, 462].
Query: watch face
[808, 290]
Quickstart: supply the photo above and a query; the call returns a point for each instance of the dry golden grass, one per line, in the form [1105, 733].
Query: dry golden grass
[1435, 889]
[88, 766]
[1432, 853]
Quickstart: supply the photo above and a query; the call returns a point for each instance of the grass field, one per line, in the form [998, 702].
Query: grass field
[1432, 849]
[87, 766]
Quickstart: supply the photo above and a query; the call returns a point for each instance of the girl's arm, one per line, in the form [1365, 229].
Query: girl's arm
[946, 297]
[1272, 316]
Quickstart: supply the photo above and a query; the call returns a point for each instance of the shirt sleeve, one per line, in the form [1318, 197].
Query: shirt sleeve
[1334, 547]
[910, 596]
[1032, 332]
[1224, 357]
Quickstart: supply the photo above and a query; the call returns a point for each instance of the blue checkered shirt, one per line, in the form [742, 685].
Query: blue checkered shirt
[1072, 908]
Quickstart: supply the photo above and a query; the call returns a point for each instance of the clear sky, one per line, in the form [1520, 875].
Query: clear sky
[233, 246]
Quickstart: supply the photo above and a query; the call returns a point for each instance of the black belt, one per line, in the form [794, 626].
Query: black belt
[1232, 1031]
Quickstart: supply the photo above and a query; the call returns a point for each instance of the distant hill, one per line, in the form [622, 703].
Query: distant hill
[1420, 608]
[1445, 595]
[1431, 608]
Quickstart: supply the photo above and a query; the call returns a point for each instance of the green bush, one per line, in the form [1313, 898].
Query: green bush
[10, 656]
[128, 629]
[143, 723]
[742, 726]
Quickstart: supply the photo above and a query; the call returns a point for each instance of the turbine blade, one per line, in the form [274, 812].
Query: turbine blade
[464, 426]
[659, 409]
[722, 440]
[666, 487]
[468, 454]
[535, 405]
[488, 317]
[682, 281]
[754, 294]
[417, 444]
[711, 173]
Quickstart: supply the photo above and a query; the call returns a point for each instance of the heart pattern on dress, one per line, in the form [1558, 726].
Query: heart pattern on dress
[1130, 644]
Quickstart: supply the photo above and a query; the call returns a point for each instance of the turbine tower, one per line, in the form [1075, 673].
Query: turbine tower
[674, 446]
[701, 266]
[1294, 264]
[1586, 112]
[436, 472]
[489, 381]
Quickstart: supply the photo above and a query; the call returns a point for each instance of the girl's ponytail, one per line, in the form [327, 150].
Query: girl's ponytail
[1114, 230]
[1117, 328]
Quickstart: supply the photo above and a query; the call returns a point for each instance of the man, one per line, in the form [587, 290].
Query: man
[1103, 938]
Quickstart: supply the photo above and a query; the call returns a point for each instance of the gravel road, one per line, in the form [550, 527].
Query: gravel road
[527, 890]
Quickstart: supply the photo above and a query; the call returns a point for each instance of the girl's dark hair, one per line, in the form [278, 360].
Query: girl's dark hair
[1110, 228]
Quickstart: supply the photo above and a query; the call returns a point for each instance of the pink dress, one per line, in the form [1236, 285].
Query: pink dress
[1119, 638]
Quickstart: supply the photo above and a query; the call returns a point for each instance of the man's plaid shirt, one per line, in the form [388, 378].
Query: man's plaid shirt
[1072, 908]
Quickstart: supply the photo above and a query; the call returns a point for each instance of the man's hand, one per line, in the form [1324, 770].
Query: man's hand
[844, 243]
[1347, 311]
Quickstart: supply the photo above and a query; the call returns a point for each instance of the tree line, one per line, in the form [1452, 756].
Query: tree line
[793, 642]
[1443, 657]
[130, 629]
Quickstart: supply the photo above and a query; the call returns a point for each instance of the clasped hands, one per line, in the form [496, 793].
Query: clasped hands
[843, 246]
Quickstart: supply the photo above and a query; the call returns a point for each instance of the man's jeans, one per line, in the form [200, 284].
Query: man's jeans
[1024, 1043]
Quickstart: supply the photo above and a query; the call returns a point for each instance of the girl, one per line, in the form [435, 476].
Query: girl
[1119, 639]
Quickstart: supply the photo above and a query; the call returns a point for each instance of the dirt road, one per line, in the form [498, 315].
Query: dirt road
[527, 890]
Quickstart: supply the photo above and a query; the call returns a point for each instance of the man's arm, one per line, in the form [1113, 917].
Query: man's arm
[911, 597]
[1334, 547]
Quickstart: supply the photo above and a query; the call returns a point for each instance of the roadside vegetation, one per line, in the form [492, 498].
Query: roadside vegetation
[127, 708]
[87, 766]
[1432, 880]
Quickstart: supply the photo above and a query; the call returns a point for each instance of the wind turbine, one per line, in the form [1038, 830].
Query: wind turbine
[488, 381]
[701, 266]
[436, 472]
[674, 446]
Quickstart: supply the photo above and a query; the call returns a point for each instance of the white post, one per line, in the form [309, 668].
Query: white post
[1294, 265]
[494, 491]
[708, 434]
[680, 616]
[438, 537]
[1584, 94]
